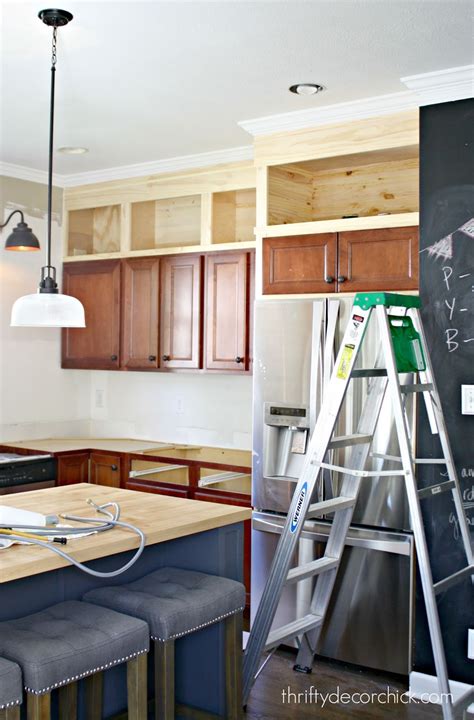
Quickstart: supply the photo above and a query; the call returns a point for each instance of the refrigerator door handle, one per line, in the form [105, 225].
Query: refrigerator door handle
[402, 546]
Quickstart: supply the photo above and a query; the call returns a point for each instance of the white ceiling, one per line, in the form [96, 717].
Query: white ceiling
[143, 81]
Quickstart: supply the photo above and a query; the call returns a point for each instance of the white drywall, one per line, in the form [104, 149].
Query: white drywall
[37, 398]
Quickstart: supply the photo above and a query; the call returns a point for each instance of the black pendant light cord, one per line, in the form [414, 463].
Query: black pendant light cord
[10, 217]
[48, 273]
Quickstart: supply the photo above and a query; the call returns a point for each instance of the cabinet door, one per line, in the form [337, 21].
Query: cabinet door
[97, 285]
[385, 259]
[181, 301]
[140, 297]
[73, 469]
[227, 311]
[105, 469]
[299, 264]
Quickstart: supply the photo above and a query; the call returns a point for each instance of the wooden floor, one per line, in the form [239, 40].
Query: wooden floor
[266, 701]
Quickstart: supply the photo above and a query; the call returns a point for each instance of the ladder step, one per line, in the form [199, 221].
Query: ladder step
[369, 372]
[436, 489]
[292, 630]
[312, 568]
[328, 506]
[416, 387]
[347, 440]
[451, 580]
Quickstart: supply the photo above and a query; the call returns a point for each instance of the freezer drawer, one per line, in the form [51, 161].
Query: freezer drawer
[369, 622]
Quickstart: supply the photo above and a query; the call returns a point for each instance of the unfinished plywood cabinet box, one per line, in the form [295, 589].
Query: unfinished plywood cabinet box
[360, 185]
[94, 231]
[170, 222]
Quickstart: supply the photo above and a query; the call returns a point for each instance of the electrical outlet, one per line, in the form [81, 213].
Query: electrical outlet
[99, 398]
[467, 399]
[470, 644]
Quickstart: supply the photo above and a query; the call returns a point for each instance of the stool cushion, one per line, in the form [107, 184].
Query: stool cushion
[69, 641]
[174, 602]
[10, 684]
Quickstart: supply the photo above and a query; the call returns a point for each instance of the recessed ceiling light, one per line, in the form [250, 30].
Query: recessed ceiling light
[73, 150]
[306, 89]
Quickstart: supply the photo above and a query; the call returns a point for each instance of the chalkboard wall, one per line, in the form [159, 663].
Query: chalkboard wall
[447, 293]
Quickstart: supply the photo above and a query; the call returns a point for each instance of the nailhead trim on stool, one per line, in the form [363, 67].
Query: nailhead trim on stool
[198, 627]
[10, 684]
[84, 674]
[70, 641]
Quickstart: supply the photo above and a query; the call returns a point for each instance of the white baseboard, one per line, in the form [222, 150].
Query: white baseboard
[420, 683]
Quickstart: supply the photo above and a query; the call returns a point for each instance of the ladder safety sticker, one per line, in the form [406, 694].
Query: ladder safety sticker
[357, 320]
[297, 514]
[436, 490]
[345, 363]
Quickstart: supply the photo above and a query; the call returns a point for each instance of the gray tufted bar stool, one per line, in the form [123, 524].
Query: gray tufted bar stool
[175, 603]
[11, 690]
[73, 640]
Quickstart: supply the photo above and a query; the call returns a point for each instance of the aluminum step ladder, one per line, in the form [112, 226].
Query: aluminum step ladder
[383, 377]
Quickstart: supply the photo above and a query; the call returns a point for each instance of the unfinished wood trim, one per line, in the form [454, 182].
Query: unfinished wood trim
[343, 138]
[230, 176]
[126, 228]
[164, 251]
[372, 222]
[206, 219]
[262, 196]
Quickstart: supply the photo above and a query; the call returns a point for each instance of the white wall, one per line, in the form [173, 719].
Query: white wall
[187, 408]
[37, 398]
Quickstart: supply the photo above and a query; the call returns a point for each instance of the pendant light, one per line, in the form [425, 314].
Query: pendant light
[22, 238]
[47, 307]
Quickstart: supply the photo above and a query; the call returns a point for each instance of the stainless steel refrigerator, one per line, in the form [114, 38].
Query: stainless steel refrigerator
[370, 617]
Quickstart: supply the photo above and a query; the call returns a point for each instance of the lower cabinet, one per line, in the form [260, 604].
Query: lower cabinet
[157, 489]
[72, 469]
[105, 469]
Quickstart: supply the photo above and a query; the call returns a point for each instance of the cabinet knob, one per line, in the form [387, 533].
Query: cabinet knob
[341, 279]
[114, 467]
[239, 359]
[114, 357]
[165, 358]
[329, 279]
[152, 358]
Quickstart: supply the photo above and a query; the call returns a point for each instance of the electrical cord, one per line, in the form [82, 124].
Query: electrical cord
[112, 522]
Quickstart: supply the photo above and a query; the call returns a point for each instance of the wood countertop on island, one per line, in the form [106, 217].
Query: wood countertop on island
[160, 517]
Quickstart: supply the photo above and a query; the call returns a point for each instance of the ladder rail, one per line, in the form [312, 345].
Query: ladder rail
[415, 511]
[428, 376]
[301, 500]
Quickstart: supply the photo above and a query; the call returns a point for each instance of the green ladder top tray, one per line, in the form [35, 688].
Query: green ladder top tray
[370, 299]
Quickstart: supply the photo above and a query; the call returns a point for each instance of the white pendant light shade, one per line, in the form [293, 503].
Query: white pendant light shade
[47, 310]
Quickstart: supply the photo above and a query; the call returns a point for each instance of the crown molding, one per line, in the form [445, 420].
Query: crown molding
[442, 85]
[156, 167]
[123, 172]
[327, 114]
[20, 172]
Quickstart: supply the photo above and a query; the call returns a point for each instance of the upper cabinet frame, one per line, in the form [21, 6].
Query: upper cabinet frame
[193, 211]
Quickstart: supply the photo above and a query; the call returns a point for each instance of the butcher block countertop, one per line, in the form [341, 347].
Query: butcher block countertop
[160, 517]
[59, 445]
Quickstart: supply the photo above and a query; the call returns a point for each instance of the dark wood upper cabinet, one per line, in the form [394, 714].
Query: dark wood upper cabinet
[227, 311]
[97, 285]
[181, 317]
[385, 259]
[140, 313]
[300, 264]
